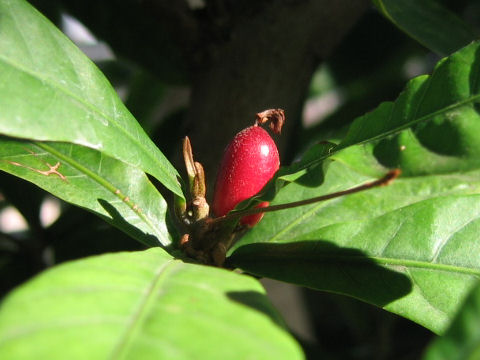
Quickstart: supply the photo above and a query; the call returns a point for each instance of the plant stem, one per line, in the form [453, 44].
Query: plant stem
[384, 181]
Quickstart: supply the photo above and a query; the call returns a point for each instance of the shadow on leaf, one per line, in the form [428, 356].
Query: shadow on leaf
[258, 302]
[324, 266]
[118, 221]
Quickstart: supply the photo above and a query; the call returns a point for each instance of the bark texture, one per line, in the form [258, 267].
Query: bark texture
[267, 62]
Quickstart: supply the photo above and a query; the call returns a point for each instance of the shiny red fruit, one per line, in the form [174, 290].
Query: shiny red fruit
[252, 220]
[249, 162]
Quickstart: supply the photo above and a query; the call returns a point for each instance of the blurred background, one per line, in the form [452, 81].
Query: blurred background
[203, 68]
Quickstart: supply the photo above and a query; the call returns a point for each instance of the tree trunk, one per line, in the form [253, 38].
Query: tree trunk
[267, 62]
[243, 56]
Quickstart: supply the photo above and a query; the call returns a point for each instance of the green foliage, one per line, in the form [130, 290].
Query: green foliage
[53, 92]
[416, 235]
[94, 181]
[462, 340]
[409, 248]
[429, 22]
[141, 305]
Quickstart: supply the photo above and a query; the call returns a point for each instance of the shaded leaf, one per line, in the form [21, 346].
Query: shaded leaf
[141, 305]
[50, 91]
[75, 235]
[428, 22]
[462, 340]
[409, 247]
[121, 194]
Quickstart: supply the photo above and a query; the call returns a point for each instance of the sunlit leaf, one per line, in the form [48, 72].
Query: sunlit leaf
[142, 305]
[462, 340]
[121, 194]
[409, 247]
[50, 91]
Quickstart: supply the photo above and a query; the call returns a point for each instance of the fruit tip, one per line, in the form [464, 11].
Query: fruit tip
[275, 116]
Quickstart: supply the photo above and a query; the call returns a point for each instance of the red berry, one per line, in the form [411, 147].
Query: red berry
[252, 220]
[249, 162]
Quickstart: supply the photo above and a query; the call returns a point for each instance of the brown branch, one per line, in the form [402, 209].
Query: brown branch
[384, 181]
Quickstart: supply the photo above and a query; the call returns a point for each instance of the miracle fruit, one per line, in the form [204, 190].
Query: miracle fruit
[249, 162]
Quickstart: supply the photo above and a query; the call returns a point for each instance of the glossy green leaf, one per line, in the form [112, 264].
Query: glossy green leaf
[462, 340]
[141, 305]
[452, 89]
[50, 91]
[409, 247]
[451, 93]
[121, 194]
[428, 22]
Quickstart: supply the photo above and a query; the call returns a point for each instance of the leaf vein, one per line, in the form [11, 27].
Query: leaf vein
[397, 230]
[101, 181]
[137, 317]
[420, 290]
[441, 243]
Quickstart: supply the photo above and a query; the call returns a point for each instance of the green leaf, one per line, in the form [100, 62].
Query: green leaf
[409, 247]
[428, 22]
[121, 194]
[141, 305]
[452, 89]
[50, 91]
[462, 340]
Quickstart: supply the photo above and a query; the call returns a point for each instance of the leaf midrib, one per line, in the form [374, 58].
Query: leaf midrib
[138, 315]
[391, 132]
[379, 260]
[314, 209]
[425, 265]
[387, 261]
[101, 181]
